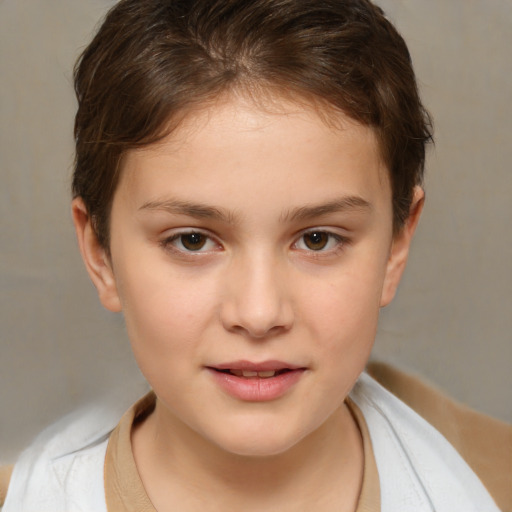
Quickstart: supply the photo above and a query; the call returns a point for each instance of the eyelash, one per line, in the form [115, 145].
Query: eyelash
[339, 241]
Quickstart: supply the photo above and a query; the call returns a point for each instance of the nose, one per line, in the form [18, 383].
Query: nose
[257, 302]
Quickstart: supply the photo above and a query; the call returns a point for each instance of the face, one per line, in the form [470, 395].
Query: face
[250, 253]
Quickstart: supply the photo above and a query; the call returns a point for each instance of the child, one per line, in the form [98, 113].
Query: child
[247, 184]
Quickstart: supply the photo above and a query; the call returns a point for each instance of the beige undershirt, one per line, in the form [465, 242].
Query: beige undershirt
[124, 490]
[5, 477]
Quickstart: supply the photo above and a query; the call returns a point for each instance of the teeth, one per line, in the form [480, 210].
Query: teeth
[249, 374]
[270, 373]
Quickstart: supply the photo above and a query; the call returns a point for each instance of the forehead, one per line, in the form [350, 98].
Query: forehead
[272, 148]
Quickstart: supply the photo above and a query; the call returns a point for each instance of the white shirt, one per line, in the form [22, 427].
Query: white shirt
[419, 471]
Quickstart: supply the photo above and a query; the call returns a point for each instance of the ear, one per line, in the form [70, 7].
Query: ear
[400, 248]
[96, 258]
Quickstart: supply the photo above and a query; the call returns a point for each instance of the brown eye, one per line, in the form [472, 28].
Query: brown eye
[316, 240]
[193, 241]
[188, 242]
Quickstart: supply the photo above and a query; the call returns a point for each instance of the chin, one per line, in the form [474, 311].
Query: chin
[259, 443]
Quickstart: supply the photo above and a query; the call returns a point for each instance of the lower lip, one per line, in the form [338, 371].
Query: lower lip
[257, 389]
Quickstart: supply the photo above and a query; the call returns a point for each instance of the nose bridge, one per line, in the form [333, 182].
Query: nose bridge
[258, 302]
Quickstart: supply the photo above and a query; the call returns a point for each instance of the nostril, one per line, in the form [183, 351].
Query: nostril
[256, 305]
[257, 333]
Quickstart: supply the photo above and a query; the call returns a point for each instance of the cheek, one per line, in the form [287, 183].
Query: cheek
[343, 312]
[164, 309]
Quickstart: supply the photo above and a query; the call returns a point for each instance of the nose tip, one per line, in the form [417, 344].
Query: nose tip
[257, 304]
[260, 325]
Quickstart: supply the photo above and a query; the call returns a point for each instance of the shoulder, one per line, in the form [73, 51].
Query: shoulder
[62, 470]
[483, 442]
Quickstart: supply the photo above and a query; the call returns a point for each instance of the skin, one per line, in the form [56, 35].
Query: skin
[253, 183]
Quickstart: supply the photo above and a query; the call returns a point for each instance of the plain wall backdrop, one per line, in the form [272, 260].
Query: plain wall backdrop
[452, 319]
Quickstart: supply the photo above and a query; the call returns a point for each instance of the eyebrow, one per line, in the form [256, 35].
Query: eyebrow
[343, 204]
[191, 209]
[202, 211]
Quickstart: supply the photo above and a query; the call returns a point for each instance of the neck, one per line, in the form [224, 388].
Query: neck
[177, 465]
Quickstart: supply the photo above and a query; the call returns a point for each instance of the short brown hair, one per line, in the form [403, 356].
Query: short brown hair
[152, 60]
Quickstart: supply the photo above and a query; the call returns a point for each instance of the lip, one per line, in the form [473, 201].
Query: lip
[256, 389]
[264, 366]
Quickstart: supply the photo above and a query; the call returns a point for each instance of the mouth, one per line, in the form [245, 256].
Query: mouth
[257, 382]
[250, 370]
[251, 374]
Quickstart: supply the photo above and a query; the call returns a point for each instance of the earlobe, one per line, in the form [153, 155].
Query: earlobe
[400, 248]
[96, 258]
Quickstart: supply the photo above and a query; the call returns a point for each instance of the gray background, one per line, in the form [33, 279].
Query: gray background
[452, 319]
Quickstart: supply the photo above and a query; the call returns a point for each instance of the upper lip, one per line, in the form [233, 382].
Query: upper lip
[263, 366]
